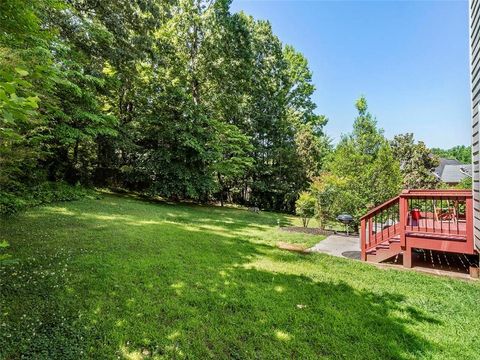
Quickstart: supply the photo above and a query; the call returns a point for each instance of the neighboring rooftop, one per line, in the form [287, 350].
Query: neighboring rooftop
[452, 171]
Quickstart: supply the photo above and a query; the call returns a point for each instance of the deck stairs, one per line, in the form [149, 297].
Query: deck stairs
[439, 220]
[385, 250]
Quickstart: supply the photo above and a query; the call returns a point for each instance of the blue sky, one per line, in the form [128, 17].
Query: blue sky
[410, 59]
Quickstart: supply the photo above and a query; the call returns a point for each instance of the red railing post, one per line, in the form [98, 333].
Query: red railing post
[370, 231]
[469, 222]
[363, 238]
[403, 208]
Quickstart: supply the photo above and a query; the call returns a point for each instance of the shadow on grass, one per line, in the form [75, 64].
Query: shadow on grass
[126, 209]
[167, 290]
[247, 313]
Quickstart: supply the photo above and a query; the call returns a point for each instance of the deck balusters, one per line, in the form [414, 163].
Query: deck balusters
[389, 222]
[409, 216]
[440, 212]
[419, 208]
[381, 224]
[425, 212]
[457, 212]
[449, 215]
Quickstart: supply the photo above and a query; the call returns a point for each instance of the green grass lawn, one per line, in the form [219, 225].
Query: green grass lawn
[124, 278]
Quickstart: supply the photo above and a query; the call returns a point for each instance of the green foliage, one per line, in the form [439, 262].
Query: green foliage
[305, 207]
[465, 183]
[178, 99]
[19, 123]
[10, 204]
[417, 162]
[5, 258]
[461, 153]
[360, 173]
[13, 202]
[312, 147]
[366, 137]
[326, 189]
[287, 135]
[232, 149]
[385, 176]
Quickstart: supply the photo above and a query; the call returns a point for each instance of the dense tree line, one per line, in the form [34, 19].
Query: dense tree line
[461, 153]
[180, 99]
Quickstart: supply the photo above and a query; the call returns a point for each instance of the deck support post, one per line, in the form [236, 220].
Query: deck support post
[363, 240]
[407, 257]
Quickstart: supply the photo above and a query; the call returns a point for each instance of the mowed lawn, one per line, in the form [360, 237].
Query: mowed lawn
[121, 278]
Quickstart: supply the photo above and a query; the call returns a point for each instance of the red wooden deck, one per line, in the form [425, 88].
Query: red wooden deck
[440, 220]
[430, 226]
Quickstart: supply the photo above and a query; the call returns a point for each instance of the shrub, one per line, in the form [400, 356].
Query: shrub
[5, 259]
[326, 189]
[305, 207]
[12, 202]
[465, 183]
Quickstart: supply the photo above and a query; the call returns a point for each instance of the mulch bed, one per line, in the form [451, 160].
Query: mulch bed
[311, 231]
[314, 231]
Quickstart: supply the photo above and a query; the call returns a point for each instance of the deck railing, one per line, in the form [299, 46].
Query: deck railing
[380, 224]
[444, 212]
[431, 214]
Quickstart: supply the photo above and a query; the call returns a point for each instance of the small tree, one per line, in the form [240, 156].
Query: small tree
[231, 156]
[361, 171]
[305, 207]
[325, 188]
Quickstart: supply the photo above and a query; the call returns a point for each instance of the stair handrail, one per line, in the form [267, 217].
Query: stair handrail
[366, 222]
[436, 193]
[380, 207]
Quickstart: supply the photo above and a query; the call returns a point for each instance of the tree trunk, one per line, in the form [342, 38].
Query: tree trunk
[221, 188]
[75, 153]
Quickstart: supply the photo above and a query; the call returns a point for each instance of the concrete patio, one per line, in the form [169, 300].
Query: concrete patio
[339, 245]
[432, 262]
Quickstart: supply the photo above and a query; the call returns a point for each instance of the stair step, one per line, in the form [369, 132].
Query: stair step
[383, 246]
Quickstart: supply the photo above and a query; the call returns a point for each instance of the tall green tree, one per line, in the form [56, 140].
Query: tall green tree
[417, 162]
[232, 157]
[24, 64]
[362, 171]
[282, 121]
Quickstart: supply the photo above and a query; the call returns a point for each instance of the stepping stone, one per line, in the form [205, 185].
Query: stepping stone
[292, 247]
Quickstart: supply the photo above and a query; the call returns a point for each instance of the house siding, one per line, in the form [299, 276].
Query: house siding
[475, 90]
